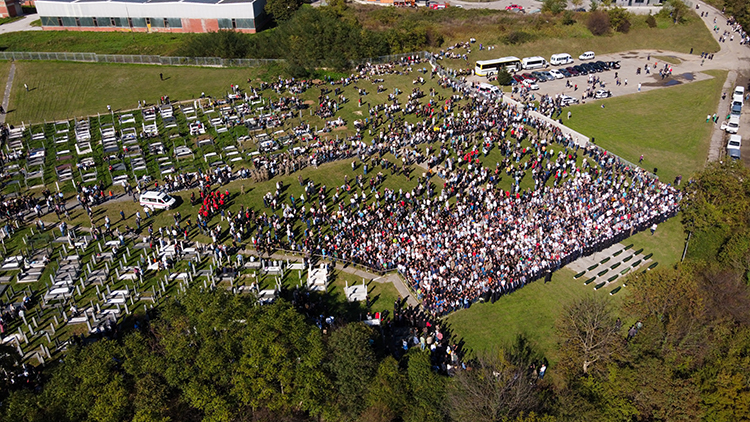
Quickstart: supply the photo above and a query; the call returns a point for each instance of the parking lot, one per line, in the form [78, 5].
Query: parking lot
[686, 68]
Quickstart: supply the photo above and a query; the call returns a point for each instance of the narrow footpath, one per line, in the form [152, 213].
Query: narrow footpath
[6, 95]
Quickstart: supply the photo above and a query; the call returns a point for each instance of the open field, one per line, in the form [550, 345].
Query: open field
[79, 89]
[93, 42]
[531, 311]
[667, 126]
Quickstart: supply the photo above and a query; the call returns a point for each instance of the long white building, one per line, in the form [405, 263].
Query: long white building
[152, 15]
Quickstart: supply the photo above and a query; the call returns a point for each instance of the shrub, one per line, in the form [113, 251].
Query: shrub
[651, 21]
[598, 23]
[568, 18]
[518, 37]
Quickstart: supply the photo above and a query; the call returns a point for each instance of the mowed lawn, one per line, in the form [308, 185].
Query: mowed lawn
[531, 311]
[4, 71]
[575, 39]
[60, 90]
[666, 125]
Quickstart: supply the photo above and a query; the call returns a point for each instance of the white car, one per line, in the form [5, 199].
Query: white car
[566, 100]
[602, 93]
[587, 55]
[530, 85]
[489, 89]
[156, 200]
[731, 126]
[557, 74]
[738, 94]
[733, 146]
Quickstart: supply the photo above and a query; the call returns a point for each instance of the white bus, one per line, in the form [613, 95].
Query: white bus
[491, 67]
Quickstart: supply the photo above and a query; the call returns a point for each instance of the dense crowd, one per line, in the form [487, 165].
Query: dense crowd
[456, 243]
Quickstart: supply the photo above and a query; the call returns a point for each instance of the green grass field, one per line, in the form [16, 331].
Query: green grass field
[667, 125]
[93, 42]
[78, 89]
[531, 310]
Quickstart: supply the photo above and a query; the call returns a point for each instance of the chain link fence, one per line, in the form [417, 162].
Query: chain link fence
[392, 58]
[179, 61]
[135, 59]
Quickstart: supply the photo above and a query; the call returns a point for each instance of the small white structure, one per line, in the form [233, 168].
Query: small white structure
[317, 278]
[356, 292]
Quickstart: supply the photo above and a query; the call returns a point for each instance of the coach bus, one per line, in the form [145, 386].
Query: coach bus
[491, 67]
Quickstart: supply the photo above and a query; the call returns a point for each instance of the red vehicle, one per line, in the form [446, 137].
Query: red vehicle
[518, 78]
[438, 6]
[514, 8]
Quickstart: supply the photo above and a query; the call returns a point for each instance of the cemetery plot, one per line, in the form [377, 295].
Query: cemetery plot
[317, 279]
[83, 130]
[356, 292]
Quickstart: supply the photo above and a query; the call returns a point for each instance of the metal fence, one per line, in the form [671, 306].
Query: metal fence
[135, 59]
[178, 61]
[392, 58]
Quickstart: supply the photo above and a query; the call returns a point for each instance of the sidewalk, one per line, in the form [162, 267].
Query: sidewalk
[23, 24]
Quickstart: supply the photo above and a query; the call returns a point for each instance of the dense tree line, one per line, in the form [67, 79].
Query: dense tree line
[323, 37]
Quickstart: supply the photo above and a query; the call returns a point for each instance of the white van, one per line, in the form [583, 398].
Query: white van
[739, 94]
[534, 63]
[157, 200]
[733, 146]
[587, 55]
[560, 59]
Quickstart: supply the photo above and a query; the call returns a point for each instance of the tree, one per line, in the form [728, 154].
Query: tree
[554, 6]
[282, 10]
[677, 10]
[389, 391]
[598, 23]
[352, 364]
[427, 389]
[588, 333]
[619, 19]
[504, 78]
[493, 389]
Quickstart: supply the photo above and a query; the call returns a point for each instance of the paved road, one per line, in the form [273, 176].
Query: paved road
[23, 24]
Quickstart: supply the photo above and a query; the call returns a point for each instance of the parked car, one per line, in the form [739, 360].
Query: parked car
[614, 64]
[529, 77]
[572, 71]
[518, 78]
[557, 74]
[736, 108]
[733, 146]
[514, 8]
[602, 64]
[581, 70]
[587, 55]
[732, 125]
[566, 100]
[528, 83]
[738, 94]
[602, 93]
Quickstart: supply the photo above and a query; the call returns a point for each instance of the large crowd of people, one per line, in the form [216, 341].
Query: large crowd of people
[466, 240]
